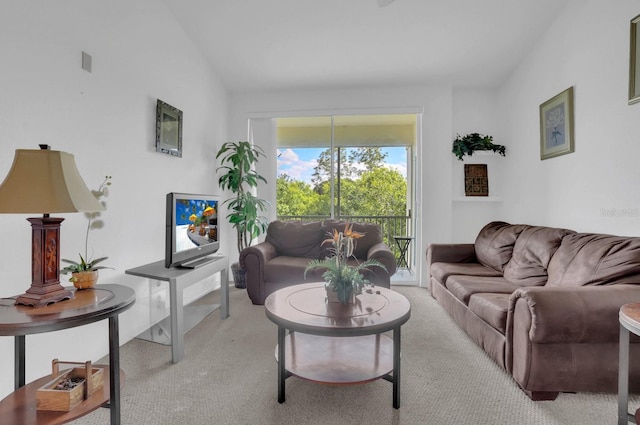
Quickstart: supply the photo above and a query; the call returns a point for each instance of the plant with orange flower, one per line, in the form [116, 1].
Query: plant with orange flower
[344, 278]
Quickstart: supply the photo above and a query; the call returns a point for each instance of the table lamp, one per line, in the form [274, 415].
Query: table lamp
[45, 181]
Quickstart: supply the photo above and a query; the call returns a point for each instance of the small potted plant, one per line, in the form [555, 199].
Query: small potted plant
[470, 143]
[343, 281]
[84, 274]
[237, 161]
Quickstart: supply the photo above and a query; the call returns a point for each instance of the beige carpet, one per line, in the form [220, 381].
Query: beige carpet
[229, 377]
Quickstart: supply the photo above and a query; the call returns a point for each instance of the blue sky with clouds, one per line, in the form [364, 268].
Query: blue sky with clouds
[299, 163]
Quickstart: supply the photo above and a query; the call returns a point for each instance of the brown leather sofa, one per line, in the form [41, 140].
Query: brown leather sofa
[543, 303]
[281, 259]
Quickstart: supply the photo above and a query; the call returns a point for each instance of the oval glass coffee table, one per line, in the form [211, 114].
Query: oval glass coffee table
[335, 343]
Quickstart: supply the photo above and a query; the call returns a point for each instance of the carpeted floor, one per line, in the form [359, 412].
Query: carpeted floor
[229, 377]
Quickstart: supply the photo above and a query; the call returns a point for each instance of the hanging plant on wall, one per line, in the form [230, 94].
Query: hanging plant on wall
[472, 142]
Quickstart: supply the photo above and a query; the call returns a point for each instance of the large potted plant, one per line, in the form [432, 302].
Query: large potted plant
[84, 274]
[237, 163]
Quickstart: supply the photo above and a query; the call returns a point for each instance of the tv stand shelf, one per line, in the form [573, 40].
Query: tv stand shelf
[179, 278]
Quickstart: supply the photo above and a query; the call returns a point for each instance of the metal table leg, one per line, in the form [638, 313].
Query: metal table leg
[623, 379]
[177, 321]
[396, 368]
[224, 294]
[281, 362]
[19, 348]
[114, 370]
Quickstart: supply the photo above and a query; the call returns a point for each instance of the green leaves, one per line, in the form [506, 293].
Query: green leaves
[470, 143]
[378, 192]
[237, 161]
[83, 265]
[340, 276]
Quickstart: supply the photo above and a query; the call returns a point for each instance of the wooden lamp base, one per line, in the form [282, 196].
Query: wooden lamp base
[53, 294]
[45, 264]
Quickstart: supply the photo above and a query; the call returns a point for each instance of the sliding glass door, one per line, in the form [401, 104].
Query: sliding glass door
[348, 167]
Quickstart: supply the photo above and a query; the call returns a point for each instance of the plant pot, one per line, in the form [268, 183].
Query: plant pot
[84, 280]
[343, 297]
[239, 279]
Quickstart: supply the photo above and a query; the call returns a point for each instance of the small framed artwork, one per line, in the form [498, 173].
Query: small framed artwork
[168, 129]
[476, 180]
[556, 125]
[634, 62]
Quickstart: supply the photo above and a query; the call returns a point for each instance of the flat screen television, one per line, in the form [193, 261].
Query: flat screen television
[192, 229]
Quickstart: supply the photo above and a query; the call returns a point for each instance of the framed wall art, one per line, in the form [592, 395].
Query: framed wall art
[634, 62]
[168, 129]
[556, 125]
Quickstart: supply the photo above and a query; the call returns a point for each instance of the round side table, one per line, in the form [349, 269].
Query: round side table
[87, 306]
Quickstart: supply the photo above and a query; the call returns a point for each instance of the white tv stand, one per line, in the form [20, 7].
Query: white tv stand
[180, 278]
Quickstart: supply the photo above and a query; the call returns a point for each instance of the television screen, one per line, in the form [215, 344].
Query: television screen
[192, 229]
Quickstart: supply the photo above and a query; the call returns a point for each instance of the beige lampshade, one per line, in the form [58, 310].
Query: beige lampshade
[45, 181]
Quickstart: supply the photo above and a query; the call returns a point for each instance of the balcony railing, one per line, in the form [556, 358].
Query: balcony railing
[390, 225]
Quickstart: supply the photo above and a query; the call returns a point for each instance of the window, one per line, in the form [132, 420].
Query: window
[349, 167]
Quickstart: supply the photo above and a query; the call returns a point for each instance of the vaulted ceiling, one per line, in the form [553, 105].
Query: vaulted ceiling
[262, 45]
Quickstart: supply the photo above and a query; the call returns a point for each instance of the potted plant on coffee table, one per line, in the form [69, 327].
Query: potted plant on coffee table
[237, 162]
[84, 274]
[343, 281]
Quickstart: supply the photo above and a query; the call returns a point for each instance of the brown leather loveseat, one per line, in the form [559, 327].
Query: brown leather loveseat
[543, 303]
[281, 259]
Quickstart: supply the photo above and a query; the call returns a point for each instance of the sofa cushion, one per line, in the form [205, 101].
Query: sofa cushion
[463, 287]
[595, 259]
[297, 238]
[372, 235]
[531, 255]
[492, 308]
[494, 243]
[441, 271]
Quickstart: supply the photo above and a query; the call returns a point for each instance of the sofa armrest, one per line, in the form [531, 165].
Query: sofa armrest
[252, 260]
[569, 314]
[451, 253]
[565, 338]
[263, 253]
[382, 253]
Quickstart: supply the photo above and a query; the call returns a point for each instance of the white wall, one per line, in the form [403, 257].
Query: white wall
[475, 111]
[107, 120]
[595, 188]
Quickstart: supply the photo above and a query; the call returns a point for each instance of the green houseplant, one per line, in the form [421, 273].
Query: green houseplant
[84, 274]
[237, 163]
[345, 280]
[467, 145]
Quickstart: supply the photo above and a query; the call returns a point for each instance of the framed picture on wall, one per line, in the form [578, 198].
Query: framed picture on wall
[634, 62]
[556, 125]
[168, 129]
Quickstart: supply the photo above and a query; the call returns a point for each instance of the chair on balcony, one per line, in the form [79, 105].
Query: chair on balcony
[281, 259]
